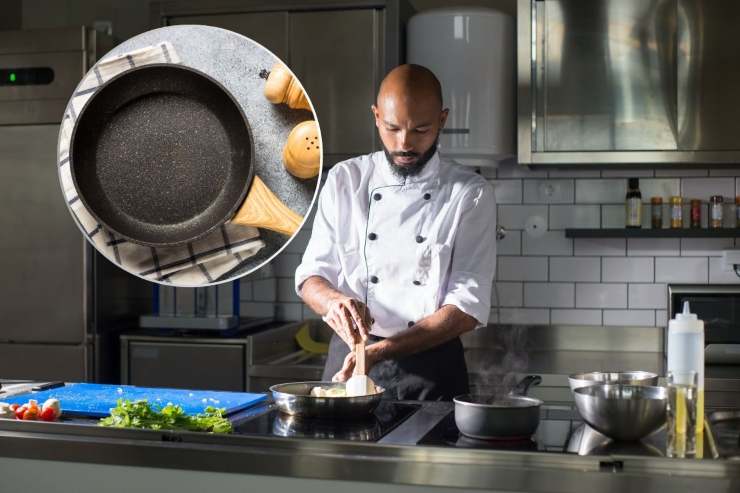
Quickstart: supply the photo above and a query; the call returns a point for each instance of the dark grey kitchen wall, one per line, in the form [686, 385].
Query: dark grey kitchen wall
[12, 15]
[131, 17]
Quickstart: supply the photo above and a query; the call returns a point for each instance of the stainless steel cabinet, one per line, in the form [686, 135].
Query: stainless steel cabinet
[708, 74]
[605, 75]
[336, 56]
[41, 252]
[628, 81]
[194, 363]
[269, 29]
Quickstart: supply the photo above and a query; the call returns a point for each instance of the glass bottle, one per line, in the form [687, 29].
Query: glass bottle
[633, 204]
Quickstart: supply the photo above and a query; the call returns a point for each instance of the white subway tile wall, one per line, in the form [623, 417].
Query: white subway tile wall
[511, 244]
[574, 216]
[550, 243]
[593, 295]
[548, 191]
[521, 268]
[657, 247]
[703, 188]
[599, 246]
[516, 216]
[639, 318]
[627, 269]
[648, 296]
[507, 191]
[553, 294]
[575, 317]
[682, 269]
[507, 294]
[717, 273]
[705, 247]
[550, 279]
[575, 269]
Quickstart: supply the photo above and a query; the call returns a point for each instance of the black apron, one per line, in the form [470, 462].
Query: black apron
[439, 373]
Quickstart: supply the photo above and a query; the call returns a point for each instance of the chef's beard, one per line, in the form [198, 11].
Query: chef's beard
[403, 171]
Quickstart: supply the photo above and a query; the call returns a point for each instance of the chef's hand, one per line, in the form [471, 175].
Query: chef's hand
[349, 365]
[350, 319]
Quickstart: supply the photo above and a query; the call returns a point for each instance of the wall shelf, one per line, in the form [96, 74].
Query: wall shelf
[652, 233]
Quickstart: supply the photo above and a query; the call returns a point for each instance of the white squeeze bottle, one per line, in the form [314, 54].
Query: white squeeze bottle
[686, 353]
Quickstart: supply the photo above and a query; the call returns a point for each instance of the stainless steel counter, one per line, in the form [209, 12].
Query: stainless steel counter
[78, 450]
[170, 452]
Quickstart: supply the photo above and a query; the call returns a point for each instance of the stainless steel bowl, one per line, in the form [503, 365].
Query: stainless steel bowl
[296, 399]
[622, 412]
[617, 377]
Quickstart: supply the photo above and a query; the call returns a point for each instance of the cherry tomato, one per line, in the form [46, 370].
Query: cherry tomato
[19, 412]
[48, 414]
[32, 413]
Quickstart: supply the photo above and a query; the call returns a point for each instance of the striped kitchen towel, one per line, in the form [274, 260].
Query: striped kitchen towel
[194, 264]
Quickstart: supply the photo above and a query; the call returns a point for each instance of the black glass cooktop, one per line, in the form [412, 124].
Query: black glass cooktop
[271, 422]
[551, 436]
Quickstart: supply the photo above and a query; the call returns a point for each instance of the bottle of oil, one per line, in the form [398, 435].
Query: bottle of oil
[633, 204]
[686, 354]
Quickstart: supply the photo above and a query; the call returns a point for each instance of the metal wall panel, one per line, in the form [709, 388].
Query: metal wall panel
[708, 74]
[606, 75]
[270, 29]
[339, 70]
[41, 249]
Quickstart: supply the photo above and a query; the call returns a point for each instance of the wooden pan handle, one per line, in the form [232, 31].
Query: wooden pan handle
[262, 209]
[360, 368]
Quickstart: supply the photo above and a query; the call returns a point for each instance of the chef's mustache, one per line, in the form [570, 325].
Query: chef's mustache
[405, 154]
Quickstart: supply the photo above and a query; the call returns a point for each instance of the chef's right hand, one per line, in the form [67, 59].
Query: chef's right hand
[350, 319]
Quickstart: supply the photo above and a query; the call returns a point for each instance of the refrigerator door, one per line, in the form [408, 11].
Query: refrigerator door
[41, 249]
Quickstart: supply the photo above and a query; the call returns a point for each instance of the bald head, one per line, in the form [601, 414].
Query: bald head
[412, 83]
[409, 115]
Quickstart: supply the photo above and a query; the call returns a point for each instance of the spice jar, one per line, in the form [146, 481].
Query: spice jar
[715, 211]
[696, 213]
[676, 212]
[656, 212]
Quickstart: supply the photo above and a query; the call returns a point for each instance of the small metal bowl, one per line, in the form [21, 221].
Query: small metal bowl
[579, 380]
[622, 412]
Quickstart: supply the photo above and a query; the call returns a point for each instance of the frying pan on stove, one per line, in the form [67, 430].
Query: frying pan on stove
[162, 154]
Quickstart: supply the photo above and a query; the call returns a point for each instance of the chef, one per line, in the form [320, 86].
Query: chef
[402, 252]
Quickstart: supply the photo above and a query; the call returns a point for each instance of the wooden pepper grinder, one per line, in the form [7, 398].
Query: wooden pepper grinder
[282, 87]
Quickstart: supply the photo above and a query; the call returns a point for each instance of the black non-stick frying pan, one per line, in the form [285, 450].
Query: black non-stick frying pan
[162, 154]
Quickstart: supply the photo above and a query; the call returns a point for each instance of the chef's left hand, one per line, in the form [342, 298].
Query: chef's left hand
[349, 365]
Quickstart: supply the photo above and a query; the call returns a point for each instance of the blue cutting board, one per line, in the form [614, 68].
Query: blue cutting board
[96, 400]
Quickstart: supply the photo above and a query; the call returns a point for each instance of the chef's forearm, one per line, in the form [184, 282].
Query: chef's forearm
[443, 325]
[318, 293]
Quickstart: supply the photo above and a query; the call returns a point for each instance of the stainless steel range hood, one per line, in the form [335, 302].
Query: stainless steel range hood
[628, 81]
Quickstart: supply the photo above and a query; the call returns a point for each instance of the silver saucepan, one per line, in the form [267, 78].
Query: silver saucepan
[296, 399]
[488, 417]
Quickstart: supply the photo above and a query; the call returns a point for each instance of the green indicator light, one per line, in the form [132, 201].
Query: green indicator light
[12, 77]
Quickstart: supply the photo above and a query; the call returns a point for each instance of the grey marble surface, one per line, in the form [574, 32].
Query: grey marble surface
[236, 61]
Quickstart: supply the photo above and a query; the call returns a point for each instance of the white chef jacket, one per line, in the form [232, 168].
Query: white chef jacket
[405, 247]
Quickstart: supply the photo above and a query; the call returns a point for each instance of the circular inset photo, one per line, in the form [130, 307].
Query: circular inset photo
[189, 155]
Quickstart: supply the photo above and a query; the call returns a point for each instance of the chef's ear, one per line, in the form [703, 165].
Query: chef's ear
[376, 114]
[443, 117]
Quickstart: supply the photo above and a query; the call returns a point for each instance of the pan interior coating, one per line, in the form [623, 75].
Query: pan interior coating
[162, 155]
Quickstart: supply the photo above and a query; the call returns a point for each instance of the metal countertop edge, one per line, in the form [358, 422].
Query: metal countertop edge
[377, 463]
